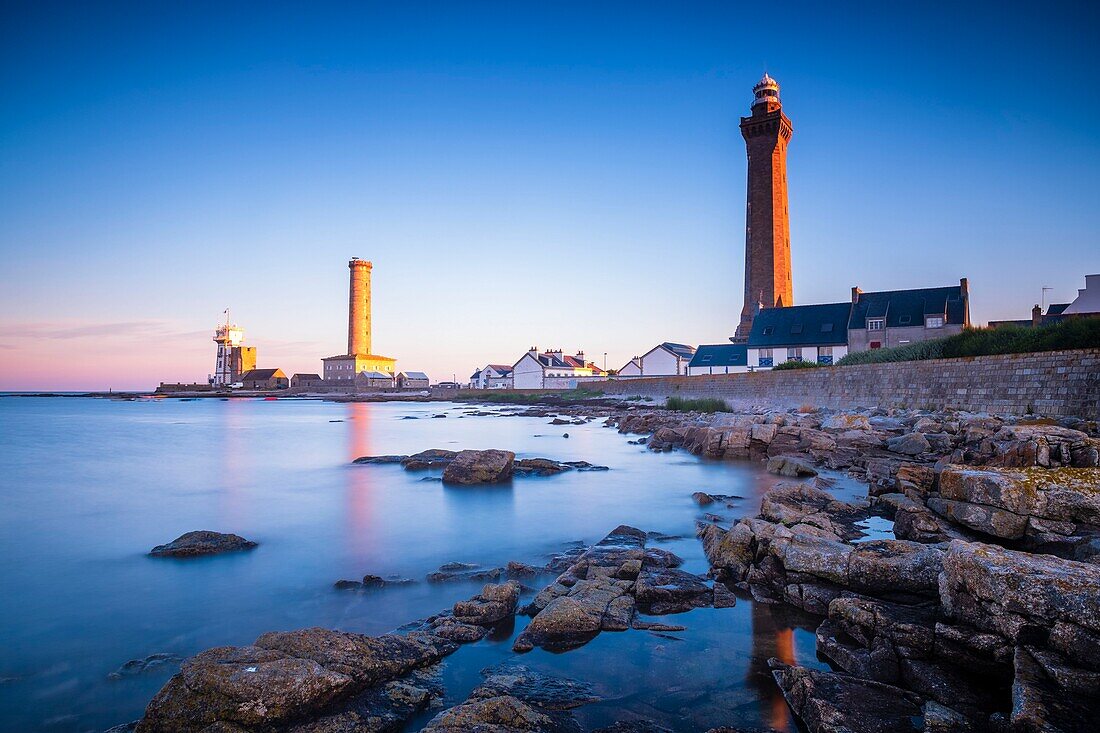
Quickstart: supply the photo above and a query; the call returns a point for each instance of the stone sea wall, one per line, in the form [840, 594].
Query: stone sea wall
[1056, 383]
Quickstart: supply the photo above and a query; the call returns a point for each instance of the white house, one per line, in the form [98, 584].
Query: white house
[632, 368]
[667, 359]
[493, 376]
[552, 370]
[1088, 298]
[798, 333]
[719, 359]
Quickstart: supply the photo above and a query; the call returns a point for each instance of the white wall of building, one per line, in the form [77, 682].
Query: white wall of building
[527, 373]
[660, 363]
[695, 371]
[780, 354]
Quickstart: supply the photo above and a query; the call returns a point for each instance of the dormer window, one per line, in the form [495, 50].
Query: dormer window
[933, 322]
[767, 330]
[876, 324]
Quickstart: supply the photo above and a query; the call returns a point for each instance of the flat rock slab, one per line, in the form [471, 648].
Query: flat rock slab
[833, 703]
[202, 542]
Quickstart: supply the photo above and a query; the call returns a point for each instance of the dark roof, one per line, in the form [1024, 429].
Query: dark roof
[681, 350]
[903, 308]
[307, 376]
[415, 375]
[801, 325]
[499, 367]
[262, 374]
[1056, 309]
[720, 355]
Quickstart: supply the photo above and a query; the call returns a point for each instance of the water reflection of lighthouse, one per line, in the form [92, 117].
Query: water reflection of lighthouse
[770, 638]
[358, 499]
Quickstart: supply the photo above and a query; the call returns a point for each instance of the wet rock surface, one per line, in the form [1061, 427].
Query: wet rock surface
[480, 466]
[285, 678]
[516, 699]
[605, 587]
[202, 542]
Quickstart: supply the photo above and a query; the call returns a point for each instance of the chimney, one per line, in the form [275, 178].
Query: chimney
[359, 307]
[856, 292]
[557, 353]
[964, 289]
[533, 351]
[1036, 315]
[580, 357]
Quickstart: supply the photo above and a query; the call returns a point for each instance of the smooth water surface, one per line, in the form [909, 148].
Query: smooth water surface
[90, 485]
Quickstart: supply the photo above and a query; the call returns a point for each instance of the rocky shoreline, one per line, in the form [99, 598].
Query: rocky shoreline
[983, 614]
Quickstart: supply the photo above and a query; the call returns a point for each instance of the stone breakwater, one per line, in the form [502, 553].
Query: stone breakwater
[982, 614]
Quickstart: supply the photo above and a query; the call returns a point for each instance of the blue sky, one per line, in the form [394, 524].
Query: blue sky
[520, 174]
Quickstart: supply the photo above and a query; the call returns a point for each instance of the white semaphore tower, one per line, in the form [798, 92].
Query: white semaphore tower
[228, 368]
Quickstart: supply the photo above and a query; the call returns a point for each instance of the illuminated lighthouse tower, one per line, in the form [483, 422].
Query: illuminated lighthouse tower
[233, 358]
[767, 131]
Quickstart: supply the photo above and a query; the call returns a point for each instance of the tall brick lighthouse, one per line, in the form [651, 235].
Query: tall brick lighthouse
[767, 231]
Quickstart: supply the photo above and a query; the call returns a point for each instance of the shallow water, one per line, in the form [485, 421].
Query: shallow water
[90, 485]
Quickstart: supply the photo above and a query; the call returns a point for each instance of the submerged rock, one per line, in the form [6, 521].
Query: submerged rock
[515, 699]
[202, 542]
[152, 663]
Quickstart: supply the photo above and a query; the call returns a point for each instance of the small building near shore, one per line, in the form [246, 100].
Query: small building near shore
[413, 380]
[553, 369]
[817, 333]
[719, 359]
[374, 380]
[667, 359]
[265, 379]
[301, 381]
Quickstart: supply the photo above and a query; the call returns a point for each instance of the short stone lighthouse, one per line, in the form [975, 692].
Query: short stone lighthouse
[359, 358]
[359, 307]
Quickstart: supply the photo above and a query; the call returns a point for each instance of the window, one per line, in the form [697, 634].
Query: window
[934, 322]
[876, 344]
[705, 358]
[765, 358]
[796, 328]
[794, 353]
[876, 324]
[826, 328]
[824, 354]
[767, 330]
[905, 320]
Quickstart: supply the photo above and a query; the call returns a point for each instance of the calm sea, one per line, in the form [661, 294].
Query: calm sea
[88, 486]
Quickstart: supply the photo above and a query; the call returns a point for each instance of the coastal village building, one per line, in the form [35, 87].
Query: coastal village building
[553, 370]
[301, 381]
[374, 380]
[1086, 304]
[413, 380]
[719, 359]
[667, 359]
[799, 333]
[265, 379]
[492, 376]
[632, 368]
[345, 367]
[767, 131]
[898, 317]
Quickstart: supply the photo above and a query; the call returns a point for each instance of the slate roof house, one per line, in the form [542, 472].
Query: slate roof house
[1086, 304]
[374, 380]
[798, 333]
[265, 379]
[493, 376]
[719, 359]
[665, 359]
[301, 380]
[552, 370]
[899, 317]
[413, 380]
